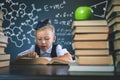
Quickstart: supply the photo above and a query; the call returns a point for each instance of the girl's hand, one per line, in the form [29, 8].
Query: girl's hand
[32, 55]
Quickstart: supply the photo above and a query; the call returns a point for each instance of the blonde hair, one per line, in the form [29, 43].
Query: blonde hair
[49, 26]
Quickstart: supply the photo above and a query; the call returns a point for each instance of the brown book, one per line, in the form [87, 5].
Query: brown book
[117, 44]
[4, 57]
[3, 44]
[87, 36]
[4, 63]
[3, 39]
[89, 29]
[1, 33]
[1, 22]
[114, 10]
[40, 60]
[94, 60]
[1, 15]
[116, 27]
[82, 52]
[117, 35]
[2, 50]
[89, 23]
[117, 58]
[113, 21]
[1, 29]
[113, 3]
[90, 45]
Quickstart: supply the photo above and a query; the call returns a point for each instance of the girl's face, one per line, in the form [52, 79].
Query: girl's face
[45, 39]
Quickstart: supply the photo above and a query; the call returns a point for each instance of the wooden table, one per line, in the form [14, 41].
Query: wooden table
[50, 72]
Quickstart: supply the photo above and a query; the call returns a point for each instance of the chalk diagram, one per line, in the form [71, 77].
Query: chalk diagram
[16, 33]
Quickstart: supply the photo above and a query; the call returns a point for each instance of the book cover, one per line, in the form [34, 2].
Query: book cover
[112, 4]
[90, 45]
[40, 60]
[4, 63]
[117, 44]
[3, 39]
[116, 27]
[1, 15]
[3, 44]
[90, 29]
[89, 23]
[82, 68]
[88, 36]
[114, 21]
[2, 50]
[83, 52]
[117, 35]
[94, 60]
[4, 57]
[113, 12]
[1, 22]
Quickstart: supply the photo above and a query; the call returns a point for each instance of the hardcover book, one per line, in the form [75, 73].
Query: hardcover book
[89, 23]
[40, 60]
[74, 67]
[90, 45]
[88, 36]
[94, 60]
[89, 29]
[83, 52]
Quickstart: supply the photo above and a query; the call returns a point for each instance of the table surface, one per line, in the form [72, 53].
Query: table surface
[51, 72]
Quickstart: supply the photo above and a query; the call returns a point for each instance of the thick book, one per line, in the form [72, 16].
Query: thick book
[117, 44]
[117, 35]
[114, 10]
[2, 50]
[3, 39]
[114, 21]
[3, 44]
[89, 23]
[90, 45]
[4, 63]
[89, 36]
[40, 60]
[1, 15]
[116, 27]
[117, 68]
[1, 33]
[83, 52]
[74, 67]
[117, 58]
[1, 29]
[4, 57]
[94, 60]
[1, 22]
[90, 29]
[112, 4]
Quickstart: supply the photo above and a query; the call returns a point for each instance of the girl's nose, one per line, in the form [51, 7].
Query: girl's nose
[43, 41]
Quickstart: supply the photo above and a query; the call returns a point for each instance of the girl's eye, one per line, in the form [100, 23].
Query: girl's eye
[39, 39]
[47, 38]
[43, 39]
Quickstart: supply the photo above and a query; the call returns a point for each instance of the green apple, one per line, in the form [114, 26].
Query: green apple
[83, 13]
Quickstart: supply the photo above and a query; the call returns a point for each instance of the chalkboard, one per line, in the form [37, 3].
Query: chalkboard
[21, 16]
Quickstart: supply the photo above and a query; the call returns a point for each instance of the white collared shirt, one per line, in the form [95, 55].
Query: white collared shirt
[59, 51]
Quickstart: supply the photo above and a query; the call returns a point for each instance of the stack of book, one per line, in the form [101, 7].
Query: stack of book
[4, 58]
[91, 46]
[113, 19]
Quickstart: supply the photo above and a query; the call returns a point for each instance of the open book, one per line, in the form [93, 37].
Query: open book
[40, 60]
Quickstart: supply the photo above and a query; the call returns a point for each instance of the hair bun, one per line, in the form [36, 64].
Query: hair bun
[43, 23]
